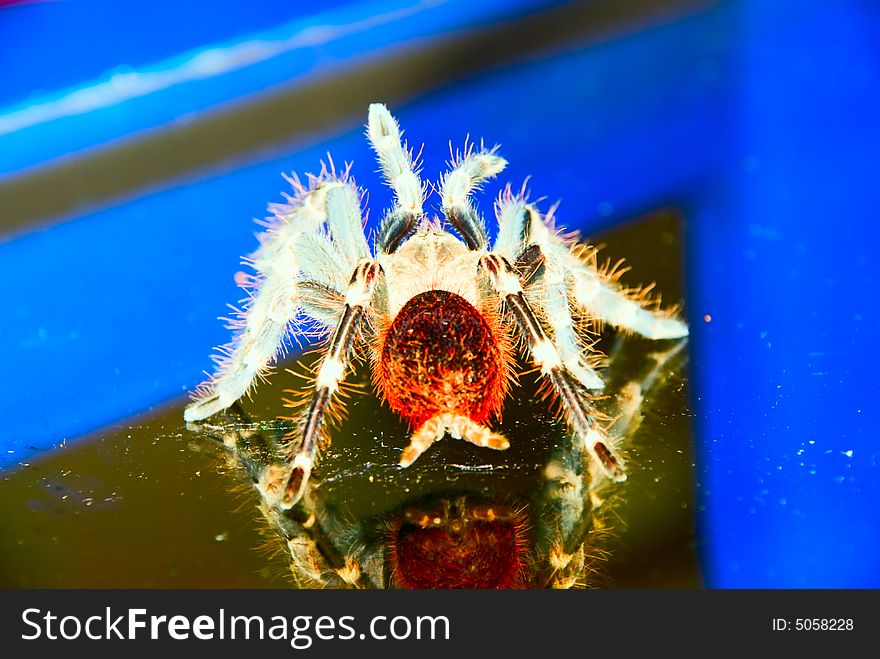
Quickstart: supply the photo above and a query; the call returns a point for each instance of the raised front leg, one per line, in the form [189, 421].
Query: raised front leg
[401, 172]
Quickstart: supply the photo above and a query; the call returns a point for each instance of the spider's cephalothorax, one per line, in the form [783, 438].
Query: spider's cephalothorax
[437, 312]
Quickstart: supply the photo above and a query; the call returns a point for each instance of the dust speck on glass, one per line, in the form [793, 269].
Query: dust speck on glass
[450, 331]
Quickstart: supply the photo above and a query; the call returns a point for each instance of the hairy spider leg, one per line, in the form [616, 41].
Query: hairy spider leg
[469, 170]
[331, 373]
[401, 172]
[597, 294]
[605, 301]
[515, 220]
[291, 245]
[506, 282]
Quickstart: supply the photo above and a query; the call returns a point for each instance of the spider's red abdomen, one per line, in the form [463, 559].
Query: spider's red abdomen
[441, 354]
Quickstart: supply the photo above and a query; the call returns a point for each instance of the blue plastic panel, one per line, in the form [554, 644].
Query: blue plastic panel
[141, 94]
[57, 46]
[782, 253]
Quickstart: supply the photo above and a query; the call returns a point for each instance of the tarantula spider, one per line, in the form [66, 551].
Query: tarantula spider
[430, 306]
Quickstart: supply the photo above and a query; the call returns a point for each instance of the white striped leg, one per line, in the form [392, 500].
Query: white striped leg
[401, 173]
[544, 354]
[515, 236]
[345, 222]
[273, 304]
[604, 300]
[265, 325]
[514, 220]
[596, 294]
[330, 375]
[297, 245]
[469, 171]
[557, 311]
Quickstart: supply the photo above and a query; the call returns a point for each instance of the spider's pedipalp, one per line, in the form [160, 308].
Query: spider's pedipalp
[530, 263]
[329, 378]
[514, 219]
[469, 172]
[458, 427]
[545, 355]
